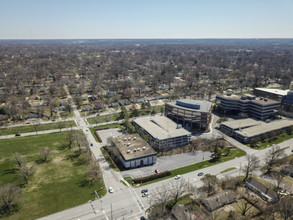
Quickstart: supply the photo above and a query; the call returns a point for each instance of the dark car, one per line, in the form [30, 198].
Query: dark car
[144, 190]
[142, 218]
[17, 135]
[92, 144]
[200, 174]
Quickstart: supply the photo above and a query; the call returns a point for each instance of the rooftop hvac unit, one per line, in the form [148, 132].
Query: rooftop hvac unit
[134, 138]
[134, 150]
[125, 139]
[128, 144]
[129, 138]
[144, 148]
[138, 149]
[128, 151]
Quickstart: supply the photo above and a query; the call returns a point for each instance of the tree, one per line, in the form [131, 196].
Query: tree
[160, 197]
[61, 124]
[285, 207]
[9, 196]
[216, 154]
[25, 172]
[252, 165]
[93, 172]
[210, 183]
[45, 153]
[244, 205]
[178, 189]
[70, 138]
[278, 177]
[80, 141]
[36, 125]
[18, 159]
[272, 157]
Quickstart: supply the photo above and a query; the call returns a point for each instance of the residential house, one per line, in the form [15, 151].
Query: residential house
[219, 200]
[287, 170]
[260, 189]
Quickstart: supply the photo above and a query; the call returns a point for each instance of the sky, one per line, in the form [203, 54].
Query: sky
[112, 19]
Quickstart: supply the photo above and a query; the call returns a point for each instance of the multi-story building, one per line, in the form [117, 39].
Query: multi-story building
[261, 108]
[276, 94]
[191, 114]
[133, 151]
[163, 133]
[248, 129]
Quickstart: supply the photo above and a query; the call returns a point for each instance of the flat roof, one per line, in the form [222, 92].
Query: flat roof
[160, 127]
[248, 122]
[133, 146]
[258, 100]
[274, 91]
[192, 104]
[263, 127]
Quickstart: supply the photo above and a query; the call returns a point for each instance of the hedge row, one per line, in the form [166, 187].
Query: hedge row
[151, 177]
[98, 136]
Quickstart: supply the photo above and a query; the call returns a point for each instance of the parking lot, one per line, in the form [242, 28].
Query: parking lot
[168, 163]
[105, 134]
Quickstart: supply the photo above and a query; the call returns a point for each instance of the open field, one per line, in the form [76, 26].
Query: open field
[55, 185]
[31, 128]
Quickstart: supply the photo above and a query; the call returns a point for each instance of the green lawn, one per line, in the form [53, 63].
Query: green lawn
[55, 185]
[30, 128]
[266, 143]
[65, 115]
[233, 154]
[228, 169]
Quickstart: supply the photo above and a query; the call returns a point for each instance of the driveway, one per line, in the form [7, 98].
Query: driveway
[169, 163]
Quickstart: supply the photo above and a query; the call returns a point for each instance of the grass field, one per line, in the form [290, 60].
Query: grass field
[55, 185]
[233, 154]
[30, 128]
[266, 143]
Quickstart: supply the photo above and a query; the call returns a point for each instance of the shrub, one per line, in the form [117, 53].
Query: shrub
[151, 177]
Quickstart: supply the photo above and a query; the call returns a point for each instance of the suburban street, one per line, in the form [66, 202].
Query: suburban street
[127, 202]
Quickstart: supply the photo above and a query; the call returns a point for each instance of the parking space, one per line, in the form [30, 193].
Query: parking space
[168, 163]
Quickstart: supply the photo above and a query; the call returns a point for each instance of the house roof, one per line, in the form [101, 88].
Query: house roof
[219, 199]
[262, 188]
[288, 169]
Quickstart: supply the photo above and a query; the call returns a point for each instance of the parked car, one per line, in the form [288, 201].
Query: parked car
[146, 194]
[92, 144]
[111, 190]
[142, 218]
[156, 171]
[144, 190]
[200, 174]
[177, 177]
[17, 135]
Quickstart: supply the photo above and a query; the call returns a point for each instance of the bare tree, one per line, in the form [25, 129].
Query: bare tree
[25, 172]
[278, 177]
[80, 141]
[244, 206]
[70, 138]
[285, 207]
[61, 124]
[273, 156]
[210, 184]
[45, 153]
[160, 197]
[93, 172]
[18, 159]
[178, 189]
[9, 196]
[36, 125]
[252, 165]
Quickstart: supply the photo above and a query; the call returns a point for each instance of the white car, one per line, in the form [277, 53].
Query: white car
[177, 177]
[111, 190]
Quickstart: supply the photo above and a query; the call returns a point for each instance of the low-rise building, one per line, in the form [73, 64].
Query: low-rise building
[219, 200]
[260, 108]
[163, 133]
[192, 114]
[133, 151]
[260, 189]
[245, 130]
